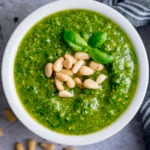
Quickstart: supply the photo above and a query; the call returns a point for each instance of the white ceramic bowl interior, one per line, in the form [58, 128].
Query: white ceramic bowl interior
[8, 72]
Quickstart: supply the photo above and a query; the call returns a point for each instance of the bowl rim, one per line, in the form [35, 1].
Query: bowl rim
[8, 77]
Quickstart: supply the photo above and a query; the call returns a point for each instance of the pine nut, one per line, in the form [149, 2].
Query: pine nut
[61, 76]
[59, 85]
[101, 78]
[96, 66]
[1, 132]
[85, 71]
[68, 148]
[19, 146]
[48, 69]
[90, 84]
[31, 144]
[44, 145]
[65, 93]
[78, 82]
[47, 146]
[11, 118]
[68, 63]
[58, 65]
[70, 83]
[77, 66]
[66, 56]
[81, 55]
[67, 72]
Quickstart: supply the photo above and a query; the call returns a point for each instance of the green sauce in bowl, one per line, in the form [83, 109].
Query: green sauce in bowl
[89, 110]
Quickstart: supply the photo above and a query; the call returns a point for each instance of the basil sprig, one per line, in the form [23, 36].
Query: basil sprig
[77, 43]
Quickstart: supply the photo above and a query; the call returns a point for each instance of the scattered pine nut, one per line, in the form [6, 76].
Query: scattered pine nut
[59, 84]
[19, 146]
[66, 56]
[67, 72]
[65, 93]
[48, 70]
[70, 83]
[44, 145]
[81, 55]
[47, 146]
[31, 144]
[11, 118]
[58, 64]
[101, 78]
[78, 82]
[77, 66]
[1, 132]
[90, 84]
[68, 148]
[85, 71]
[68, 63]
[61, 76]
[96, 66]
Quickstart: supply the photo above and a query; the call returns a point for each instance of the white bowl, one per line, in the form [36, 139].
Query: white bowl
[8, 69]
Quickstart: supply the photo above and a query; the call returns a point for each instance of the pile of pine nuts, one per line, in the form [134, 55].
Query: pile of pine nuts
[69, 69]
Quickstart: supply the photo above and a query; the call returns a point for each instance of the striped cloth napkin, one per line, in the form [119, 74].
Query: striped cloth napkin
[138, 13]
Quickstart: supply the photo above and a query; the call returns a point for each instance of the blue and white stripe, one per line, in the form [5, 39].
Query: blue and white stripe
[145, 112]
[133, 9]
[136, 12]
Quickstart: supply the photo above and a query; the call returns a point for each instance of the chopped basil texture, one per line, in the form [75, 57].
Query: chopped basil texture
[89, 110]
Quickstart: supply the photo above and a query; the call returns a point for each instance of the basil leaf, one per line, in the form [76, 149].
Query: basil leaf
[74, 40]
[97, 39]
[100, 56]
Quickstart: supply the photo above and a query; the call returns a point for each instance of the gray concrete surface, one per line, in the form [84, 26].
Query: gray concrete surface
[12, 12]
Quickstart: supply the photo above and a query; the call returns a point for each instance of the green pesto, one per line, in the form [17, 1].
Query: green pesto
[89, 110]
